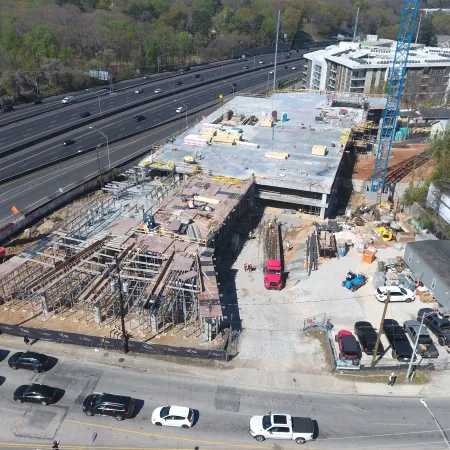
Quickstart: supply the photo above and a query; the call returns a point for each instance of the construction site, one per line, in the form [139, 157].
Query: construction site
[144, 248]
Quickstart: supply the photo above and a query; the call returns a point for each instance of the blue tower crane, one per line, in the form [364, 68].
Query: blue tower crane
[396, 82]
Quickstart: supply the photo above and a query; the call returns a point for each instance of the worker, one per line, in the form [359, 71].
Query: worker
[245, 267]
[199, 155]
[250, 267]
[250, 235]
[288, 246]
[392, 379]
[161, 185]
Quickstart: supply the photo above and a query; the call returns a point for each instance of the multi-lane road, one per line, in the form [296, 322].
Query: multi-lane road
[30, 191]
[56, 120]
[222, 413]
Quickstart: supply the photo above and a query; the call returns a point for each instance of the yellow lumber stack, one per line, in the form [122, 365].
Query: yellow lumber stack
[319, 150]
[276, 155]
[267, 123]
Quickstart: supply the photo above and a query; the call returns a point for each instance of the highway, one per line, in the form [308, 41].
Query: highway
[222, 414]
[24, 110]
[22, 133]
[27, 193]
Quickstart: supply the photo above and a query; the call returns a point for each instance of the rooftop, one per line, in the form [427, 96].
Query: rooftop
[434, 113]
[310, 120]
[436, 255]
[380, 54]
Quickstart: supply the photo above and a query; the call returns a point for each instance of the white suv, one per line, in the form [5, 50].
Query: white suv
[398, 294]
[68, 99]
[180, 109]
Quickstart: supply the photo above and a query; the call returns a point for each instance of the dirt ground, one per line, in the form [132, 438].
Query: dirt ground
[363, 169]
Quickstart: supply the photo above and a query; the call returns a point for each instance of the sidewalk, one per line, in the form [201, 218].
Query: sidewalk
[439, 386]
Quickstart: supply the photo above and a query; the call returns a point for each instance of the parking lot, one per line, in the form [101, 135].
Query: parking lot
[272, 321]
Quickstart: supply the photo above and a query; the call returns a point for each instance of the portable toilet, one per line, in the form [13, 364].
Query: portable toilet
[284, 117]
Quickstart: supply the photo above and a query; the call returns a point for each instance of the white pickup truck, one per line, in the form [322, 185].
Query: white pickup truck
[282, 426]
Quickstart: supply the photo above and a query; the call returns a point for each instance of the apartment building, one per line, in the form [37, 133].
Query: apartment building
[364, 67]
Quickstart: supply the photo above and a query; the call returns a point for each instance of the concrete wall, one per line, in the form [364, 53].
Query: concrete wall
[425, 274]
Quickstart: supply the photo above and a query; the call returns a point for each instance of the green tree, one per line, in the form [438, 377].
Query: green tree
[40, 43]
[11, 42]
[151, 52]
[388, 32]
[427, 34]
[268, 29]
[291, 21]
[201, 22]
[441, 23]
[184, 43]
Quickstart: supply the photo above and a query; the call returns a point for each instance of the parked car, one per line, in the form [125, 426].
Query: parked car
[68, 142]
[354, 281]
[348, 345]
[398, 294]
[37, 362]
[158, 91]
[282, 426]
[7, 108]
[35, 393]
[85, 114]
[436, 323]
[425, 345]
[139, 91]
[117, 406]
[68, 99]
[180, 109]
[367, 336]
[396, 336]
[139, 118]
[179, 83]
[173, 416]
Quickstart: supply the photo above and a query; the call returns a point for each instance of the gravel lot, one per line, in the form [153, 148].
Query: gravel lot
[272, 321]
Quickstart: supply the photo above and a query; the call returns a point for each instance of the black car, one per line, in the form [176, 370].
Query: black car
[139, 118]
[35, 393]
[199, 79]
[396, 336]
[196, 75]
[367, 336]
[37, 102]
[85, 114]
[117, 406]
[179, 83]
[438, 324]
[7, 108]
[233, 90]
[246, 67]
[68, 142]
[29, 360]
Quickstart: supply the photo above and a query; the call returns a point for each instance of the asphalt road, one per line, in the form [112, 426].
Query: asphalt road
[24, 110]
[123, 124]
[222, 413]
[57, 120]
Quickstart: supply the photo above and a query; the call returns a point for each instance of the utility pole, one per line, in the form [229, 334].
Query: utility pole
[122, 311]
[418, 28]
[356, 26]
[276, 53]
[377, 344]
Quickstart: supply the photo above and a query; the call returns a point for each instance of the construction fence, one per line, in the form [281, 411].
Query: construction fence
[113, 343]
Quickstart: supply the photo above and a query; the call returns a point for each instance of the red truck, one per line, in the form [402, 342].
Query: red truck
[273, 278]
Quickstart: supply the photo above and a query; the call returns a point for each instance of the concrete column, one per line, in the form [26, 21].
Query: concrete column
[322, 212]
[324, 198]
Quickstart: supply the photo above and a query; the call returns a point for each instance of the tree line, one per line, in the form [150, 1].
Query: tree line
[48, 46]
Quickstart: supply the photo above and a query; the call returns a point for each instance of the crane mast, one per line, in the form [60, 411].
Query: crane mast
[396, 83]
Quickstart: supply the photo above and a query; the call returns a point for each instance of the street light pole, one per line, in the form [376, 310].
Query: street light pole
[437, 423]
[416, 343]
[99, 168]
[107, 144]
[99, 105]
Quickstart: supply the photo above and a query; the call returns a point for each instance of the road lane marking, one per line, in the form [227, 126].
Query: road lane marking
[163, 436]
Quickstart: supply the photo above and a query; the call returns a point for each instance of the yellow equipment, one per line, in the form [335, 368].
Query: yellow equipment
[386, 235]
[189, 159]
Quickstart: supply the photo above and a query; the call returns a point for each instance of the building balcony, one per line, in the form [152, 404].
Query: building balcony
[358, 78]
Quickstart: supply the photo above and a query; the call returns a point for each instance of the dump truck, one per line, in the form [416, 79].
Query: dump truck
[273, 278]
